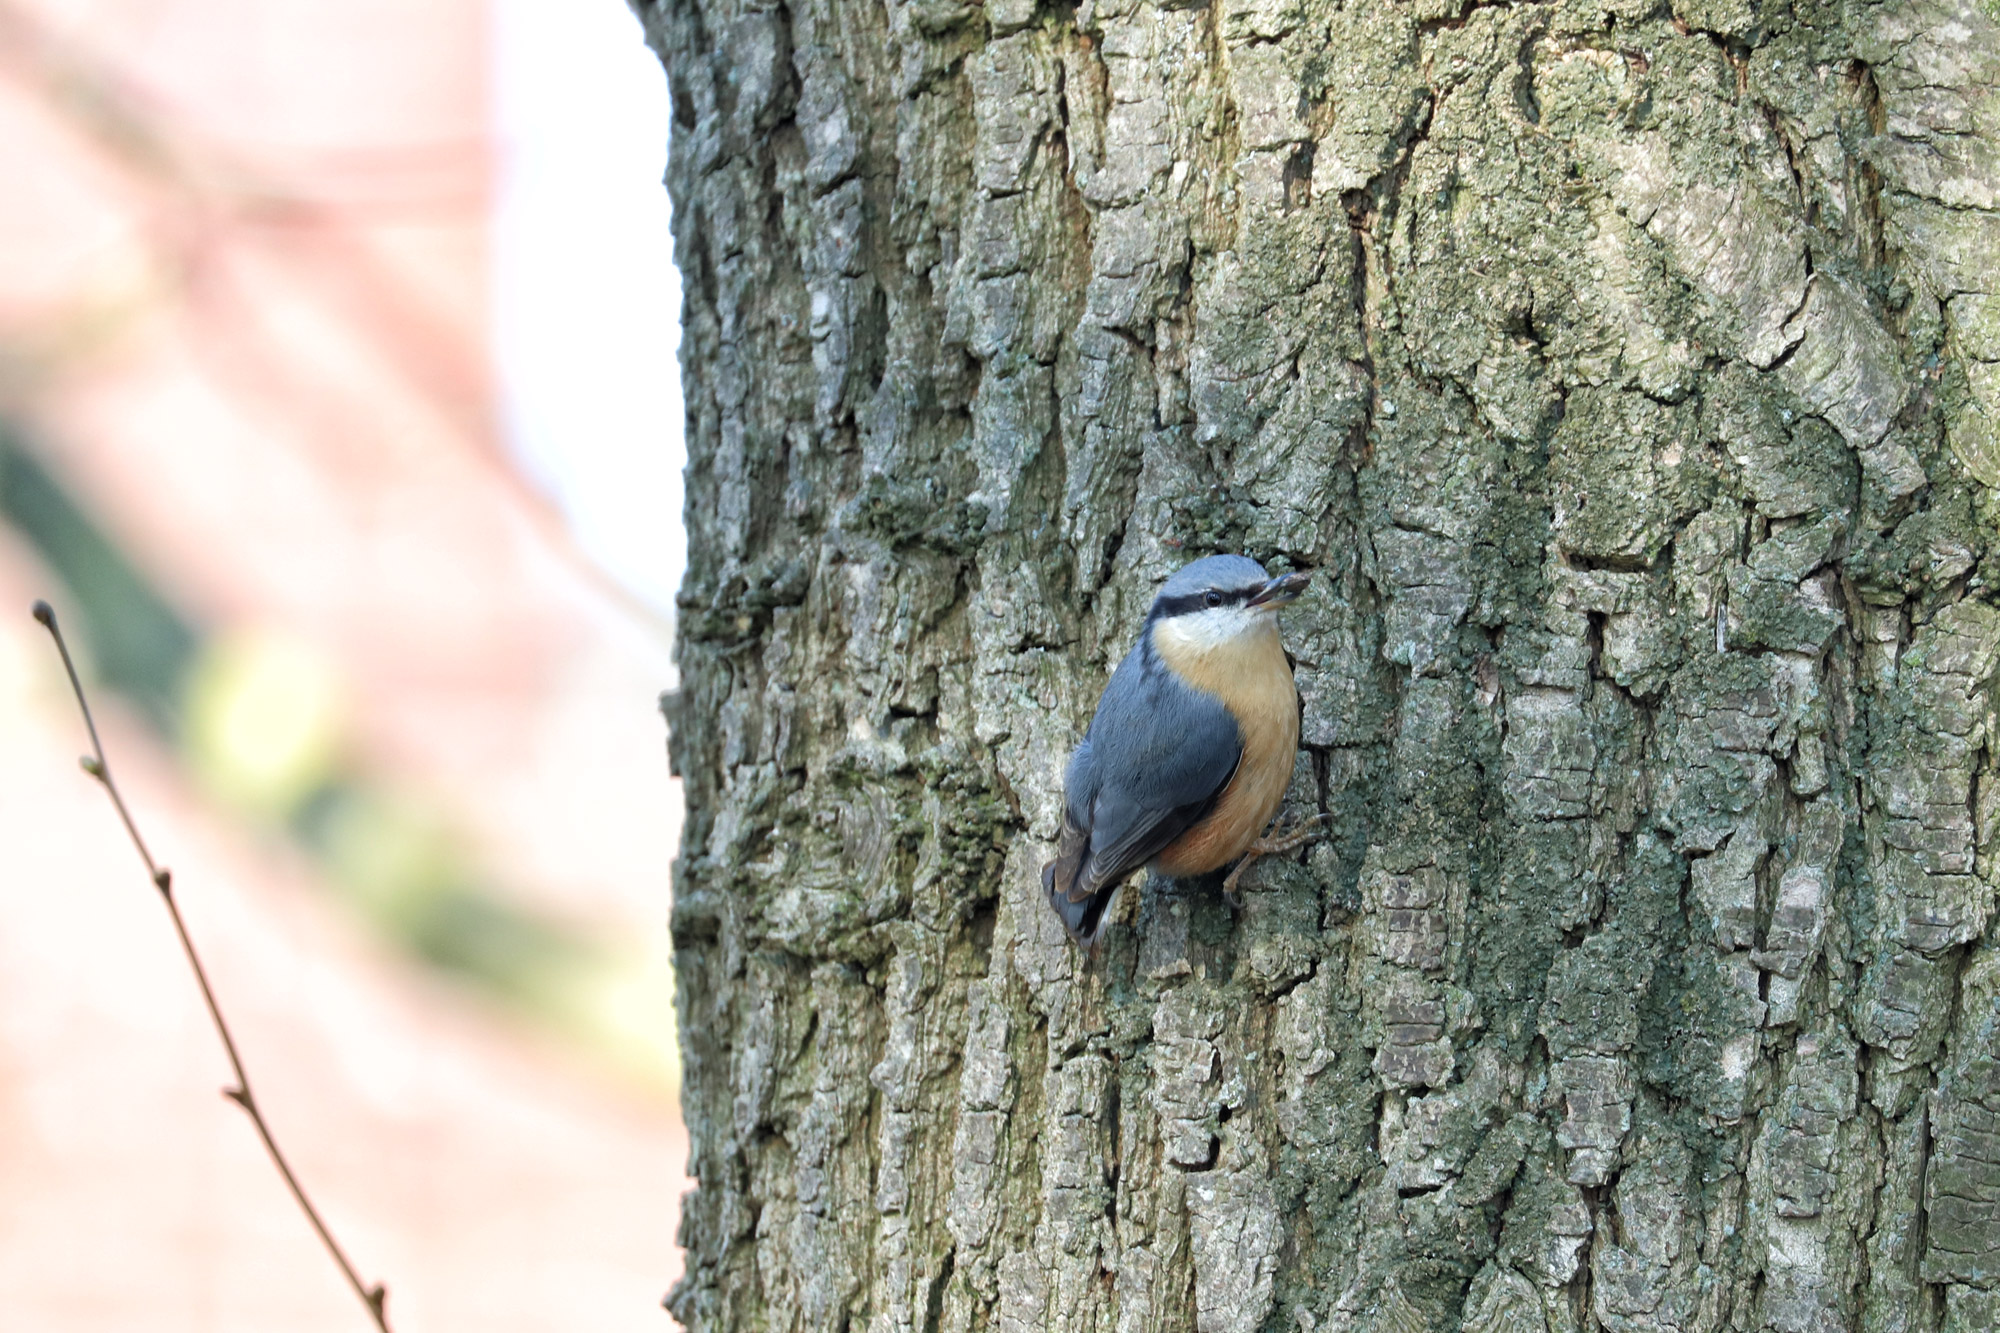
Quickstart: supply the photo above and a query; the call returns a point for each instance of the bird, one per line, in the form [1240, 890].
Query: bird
[1190, 751]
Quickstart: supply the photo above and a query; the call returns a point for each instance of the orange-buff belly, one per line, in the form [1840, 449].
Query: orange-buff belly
[1259, 693]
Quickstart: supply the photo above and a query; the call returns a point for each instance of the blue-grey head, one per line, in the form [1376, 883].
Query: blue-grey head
[1219, 600]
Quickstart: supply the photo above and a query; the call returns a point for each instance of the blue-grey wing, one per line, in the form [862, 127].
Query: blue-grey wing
[1164, 752]
[1156, 759]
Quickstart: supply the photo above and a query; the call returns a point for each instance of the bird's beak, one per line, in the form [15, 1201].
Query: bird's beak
[1285, 588]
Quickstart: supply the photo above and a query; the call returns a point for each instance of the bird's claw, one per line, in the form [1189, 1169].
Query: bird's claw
[1297, 835]
[1270, 844]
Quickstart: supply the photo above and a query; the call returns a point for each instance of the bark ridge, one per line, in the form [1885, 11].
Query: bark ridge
[1629, 372]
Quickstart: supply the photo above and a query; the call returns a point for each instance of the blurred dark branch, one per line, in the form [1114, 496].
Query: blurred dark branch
[203, 202]
[374, 1297]
[200, 194]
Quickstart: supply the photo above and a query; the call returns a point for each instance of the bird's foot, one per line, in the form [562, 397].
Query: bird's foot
[1273, 842]
[1305, 831]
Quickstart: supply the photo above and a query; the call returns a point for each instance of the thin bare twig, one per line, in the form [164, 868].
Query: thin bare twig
[375, 1297]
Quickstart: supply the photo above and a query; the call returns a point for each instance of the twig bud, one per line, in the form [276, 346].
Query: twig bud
[163, 880]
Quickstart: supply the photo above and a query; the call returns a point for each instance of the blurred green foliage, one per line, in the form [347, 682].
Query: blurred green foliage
[259, 724]
[140, 645]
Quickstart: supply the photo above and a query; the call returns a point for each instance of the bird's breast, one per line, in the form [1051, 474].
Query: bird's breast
[1254, 682]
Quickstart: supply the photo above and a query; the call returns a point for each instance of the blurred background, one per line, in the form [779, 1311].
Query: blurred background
[339, 420]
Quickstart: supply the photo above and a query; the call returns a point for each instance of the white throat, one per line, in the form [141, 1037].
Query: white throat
[1198, 634]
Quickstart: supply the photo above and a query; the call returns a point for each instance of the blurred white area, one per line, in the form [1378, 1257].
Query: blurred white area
[273, 322]
[481, 1172]
[586, 297]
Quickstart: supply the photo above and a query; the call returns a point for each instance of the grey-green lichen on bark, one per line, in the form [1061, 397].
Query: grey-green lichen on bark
[1629, 372]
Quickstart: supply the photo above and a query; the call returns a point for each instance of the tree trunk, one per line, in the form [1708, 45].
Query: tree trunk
[1630, 379]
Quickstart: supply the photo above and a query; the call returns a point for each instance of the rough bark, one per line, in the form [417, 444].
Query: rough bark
[1631, 377]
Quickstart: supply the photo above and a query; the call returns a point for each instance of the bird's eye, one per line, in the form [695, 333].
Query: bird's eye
[1211, 598]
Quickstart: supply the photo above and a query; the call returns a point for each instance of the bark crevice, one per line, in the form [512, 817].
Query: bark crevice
[1631, 382]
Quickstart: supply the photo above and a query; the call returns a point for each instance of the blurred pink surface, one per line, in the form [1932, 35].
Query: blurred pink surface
[251, 340]
[493, 1182]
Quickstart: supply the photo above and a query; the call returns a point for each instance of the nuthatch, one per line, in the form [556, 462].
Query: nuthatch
[1191, 748]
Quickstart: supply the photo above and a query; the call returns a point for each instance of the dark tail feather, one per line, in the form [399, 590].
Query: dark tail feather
[1066, 880]
[1085, 920]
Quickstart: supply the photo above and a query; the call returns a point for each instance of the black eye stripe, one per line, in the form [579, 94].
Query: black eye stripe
[1164, 607]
